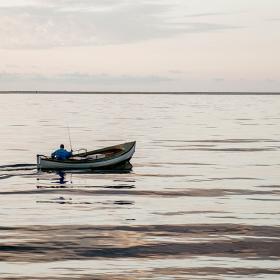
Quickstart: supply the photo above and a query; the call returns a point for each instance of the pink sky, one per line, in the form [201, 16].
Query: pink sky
[167, 45]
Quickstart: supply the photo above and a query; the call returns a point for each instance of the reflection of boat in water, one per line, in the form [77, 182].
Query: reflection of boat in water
[110, 158]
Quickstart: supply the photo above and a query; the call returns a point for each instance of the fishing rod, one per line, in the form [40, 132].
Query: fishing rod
[69, 136]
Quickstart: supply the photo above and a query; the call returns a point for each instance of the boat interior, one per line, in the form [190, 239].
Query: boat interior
[97, 154]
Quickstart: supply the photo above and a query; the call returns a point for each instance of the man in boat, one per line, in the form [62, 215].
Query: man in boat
[61, 153]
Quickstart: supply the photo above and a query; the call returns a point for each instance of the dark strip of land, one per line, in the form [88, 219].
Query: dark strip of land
[139, 92]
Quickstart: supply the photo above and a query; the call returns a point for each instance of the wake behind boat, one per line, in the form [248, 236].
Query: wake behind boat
[108, 158]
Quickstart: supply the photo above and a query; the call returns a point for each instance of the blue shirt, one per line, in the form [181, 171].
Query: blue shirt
[61, 154]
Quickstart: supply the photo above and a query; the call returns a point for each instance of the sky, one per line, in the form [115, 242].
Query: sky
[140, 45]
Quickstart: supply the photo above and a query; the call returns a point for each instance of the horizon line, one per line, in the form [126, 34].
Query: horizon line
[141, 92]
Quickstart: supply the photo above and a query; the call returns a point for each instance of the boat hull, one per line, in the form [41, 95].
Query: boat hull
[116, 160]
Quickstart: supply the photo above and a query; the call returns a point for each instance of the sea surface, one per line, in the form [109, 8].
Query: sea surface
[201, 202]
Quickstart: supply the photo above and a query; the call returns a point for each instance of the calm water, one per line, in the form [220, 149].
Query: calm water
[202, 201]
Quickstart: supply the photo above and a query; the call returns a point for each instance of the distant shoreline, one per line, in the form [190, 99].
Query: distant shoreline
[139, 92]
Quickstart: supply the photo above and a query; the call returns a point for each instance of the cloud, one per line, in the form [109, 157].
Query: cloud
[104, 78]
[176, 72]
[146, 83]
[206, 15]
[47, 24]
[269, 80]
[82, 82]
[219, 79]
[274, 19]
[81, 78]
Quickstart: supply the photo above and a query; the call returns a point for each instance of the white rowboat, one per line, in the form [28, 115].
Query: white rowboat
[107, 158]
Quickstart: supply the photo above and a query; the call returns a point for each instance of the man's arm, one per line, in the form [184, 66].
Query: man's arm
[54, 154]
